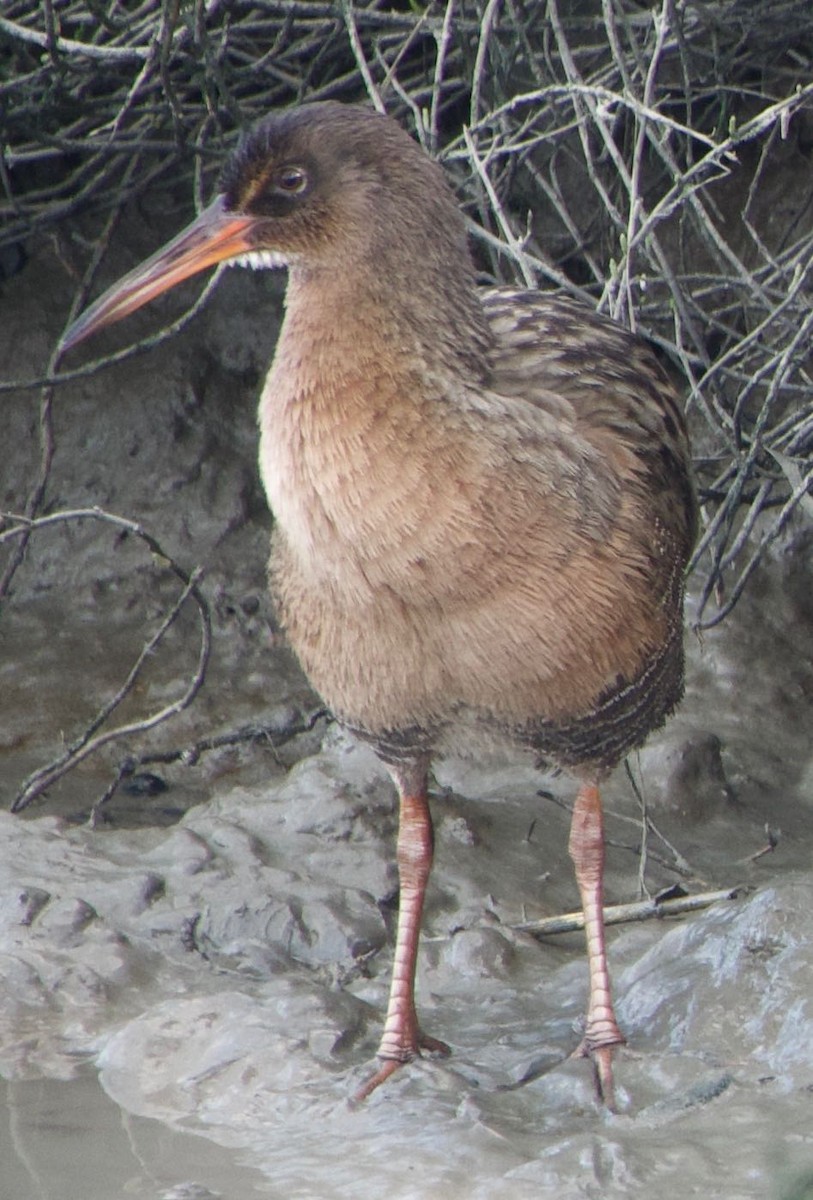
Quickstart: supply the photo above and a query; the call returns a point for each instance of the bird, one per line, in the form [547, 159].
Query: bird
[482, 497]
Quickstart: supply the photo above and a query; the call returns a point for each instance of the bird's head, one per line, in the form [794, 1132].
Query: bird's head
[318, 188]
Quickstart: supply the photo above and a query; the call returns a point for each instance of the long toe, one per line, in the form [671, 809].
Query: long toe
[422, 1044]
[601, 1057]
[387, 1068]
[602, 1060]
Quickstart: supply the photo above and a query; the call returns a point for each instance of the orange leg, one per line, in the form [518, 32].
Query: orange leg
[586, 847]
[403, 1039]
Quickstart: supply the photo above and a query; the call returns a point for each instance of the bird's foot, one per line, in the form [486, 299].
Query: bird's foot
[390, 1062]
[599, 1049]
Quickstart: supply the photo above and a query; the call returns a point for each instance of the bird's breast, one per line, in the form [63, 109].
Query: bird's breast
[362, 482]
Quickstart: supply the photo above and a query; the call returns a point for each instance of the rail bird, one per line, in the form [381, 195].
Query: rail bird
[482, 497]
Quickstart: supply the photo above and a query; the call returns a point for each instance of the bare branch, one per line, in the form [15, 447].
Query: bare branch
[90, 740]
[65, 46]
[617, 914]
[607, 154]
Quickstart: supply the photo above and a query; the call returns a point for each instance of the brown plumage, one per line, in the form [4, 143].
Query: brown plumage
[482, 498]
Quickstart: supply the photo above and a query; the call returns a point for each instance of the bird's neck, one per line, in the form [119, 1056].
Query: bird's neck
[424, 315]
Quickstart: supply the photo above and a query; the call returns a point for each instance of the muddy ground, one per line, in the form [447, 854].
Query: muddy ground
[216, 948]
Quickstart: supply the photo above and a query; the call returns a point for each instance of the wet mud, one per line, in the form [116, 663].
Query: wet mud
[216, 949]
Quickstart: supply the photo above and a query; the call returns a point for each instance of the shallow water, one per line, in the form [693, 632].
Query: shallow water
[67, 1140]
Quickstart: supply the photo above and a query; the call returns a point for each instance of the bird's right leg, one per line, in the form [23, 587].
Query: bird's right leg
[586, 848]
[403, 1038]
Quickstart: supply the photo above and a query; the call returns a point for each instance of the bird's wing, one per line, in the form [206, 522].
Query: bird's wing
[605, 387]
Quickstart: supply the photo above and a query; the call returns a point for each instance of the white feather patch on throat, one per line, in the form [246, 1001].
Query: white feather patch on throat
[260, 260]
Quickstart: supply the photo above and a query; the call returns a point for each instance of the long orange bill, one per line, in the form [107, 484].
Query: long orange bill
[216, 235]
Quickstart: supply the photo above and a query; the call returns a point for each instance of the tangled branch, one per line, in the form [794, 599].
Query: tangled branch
[94, 737]
[628, 153]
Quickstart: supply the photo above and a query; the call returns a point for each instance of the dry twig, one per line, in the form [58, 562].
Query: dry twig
[91, 739]
[627, 153]
[616, 914]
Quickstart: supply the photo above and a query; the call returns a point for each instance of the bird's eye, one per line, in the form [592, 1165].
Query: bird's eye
[292, 180]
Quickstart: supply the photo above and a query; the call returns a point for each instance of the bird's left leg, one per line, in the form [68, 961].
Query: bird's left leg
[403, 1038]
[586, 848]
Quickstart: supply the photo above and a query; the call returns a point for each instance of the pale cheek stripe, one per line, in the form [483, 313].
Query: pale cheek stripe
[260, 260]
